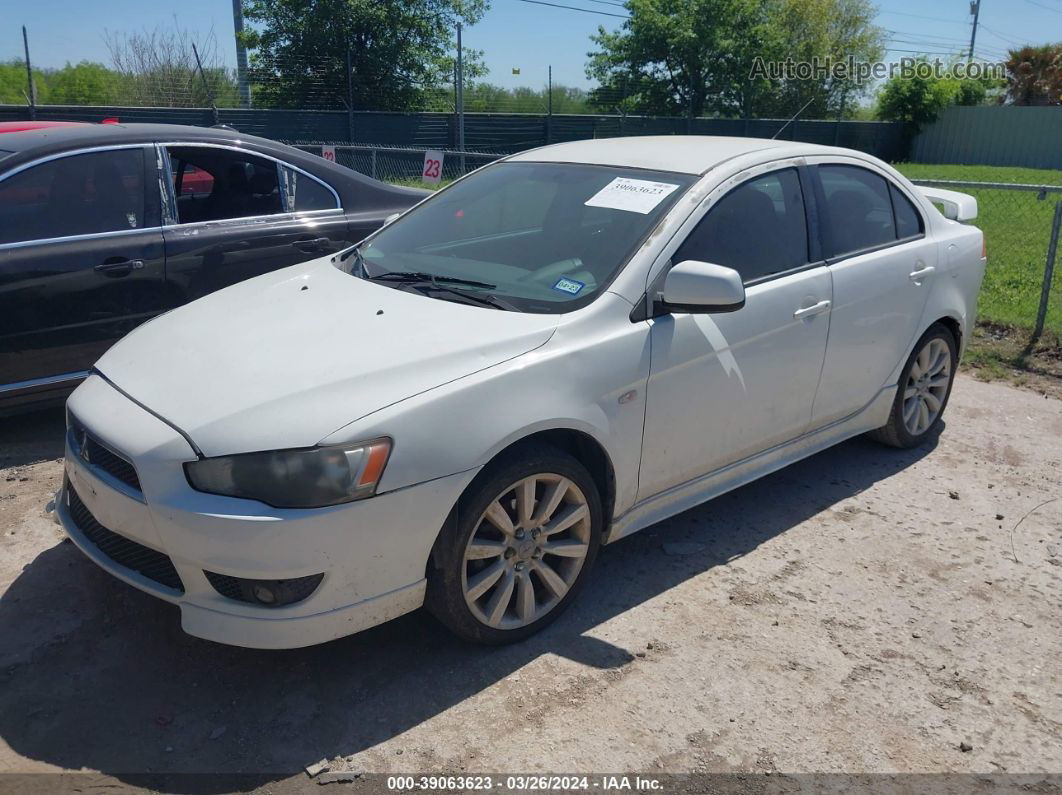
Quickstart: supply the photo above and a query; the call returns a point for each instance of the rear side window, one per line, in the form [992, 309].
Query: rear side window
[758, 229]
[305, 194]
[213, 184]
[858, 211]
[83, 194]
[908, 220]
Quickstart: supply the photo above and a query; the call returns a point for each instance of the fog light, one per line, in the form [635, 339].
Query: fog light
[268, 593]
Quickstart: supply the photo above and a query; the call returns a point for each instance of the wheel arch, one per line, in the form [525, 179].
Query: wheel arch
[580, 445]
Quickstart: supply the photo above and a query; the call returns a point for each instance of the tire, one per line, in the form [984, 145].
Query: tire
[928, 354]
[498, 590]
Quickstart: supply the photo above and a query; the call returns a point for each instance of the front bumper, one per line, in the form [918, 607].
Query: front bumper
[373, 553]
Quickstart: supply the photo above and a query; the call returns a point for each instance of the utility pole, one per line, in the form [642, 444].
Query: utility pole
[29, 78]
[241, 55]
[975, 9]
[460, 102]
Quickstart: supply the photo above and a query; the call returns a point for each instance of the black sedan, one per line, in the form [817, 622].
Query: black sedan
[105, 226]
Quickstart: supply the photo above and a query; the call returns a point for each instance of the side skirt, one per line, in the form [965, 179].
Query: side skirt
[694, 492]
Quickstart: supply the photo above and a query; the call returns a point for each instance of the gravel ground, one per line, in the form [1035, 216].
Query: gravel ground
[865, 610]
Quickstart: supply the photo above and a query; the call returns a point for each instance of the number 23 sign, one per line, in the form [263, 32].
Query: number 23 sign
[432, 172]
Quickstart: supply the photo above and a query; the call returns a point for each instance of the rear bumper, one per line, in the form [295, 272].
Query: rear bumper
[372, 553]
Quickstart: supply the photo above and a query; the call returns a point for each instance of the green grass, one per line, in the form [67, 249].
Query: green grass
[1024, 176]
[1017, 227]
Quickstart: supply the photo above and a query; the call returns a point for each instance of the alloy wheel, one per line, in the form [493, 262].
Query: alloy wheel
[927, 387]
[526, 551]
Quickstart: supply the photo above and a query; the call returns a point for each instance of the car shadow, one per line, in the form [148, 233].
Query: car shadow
[32, 437]
[104, 679]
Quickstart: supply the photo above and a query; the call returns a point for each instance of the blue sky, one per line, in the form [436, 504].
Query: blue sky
[512, 33]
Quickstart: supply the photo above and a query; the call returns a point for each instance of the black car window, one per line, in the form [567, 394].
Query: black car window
[758, 228]
[858, 211]
[908, 220]
[305, 194]
[82, 194]
[212, 184]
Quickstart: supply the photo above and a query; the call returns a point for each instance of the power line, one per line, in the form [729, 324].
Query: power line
[1041, 5]
[923, 16]
[575, 8]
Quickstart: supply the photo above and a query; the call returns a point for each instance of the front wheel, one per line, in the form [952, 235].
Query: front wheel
[923, 392]
[519, 547]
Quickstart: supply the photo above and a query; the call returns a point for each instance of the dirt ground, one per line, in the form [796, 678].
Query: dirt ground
[864, 610]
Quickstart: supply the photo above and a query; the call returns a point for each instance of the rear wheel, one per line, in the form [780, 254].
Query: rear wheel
[924, 389]
[519, 548]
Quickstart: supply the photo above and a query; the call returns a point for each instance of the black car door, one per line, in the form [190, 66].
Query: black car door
[235, 214]
[81, 260]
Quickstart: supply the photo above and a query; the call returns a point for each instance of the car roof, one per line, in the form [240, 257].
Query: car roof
[68, 136]
[684, 154]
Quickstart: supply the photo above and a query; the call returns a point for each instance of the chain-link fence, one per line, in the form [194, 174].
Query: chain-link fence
[402, 165]
[1019, 222]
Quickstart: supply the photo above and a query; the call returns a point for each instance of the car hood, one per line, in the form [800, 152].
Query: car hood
[285, 359]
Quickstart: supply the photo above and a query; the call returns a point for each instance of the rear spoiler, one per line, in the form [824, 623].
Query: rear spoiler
[957, 206]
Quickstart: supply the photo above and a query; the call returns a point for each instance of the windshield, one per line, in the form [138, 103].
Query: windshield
[540, 237]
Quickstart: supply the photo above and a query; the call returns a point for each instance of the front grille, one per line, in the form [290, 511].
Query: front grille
[124, 551]
[94, 453]
[280, 592]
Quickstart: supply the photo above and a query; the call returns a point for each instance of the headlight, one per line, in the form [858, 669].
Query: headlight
[308, 478]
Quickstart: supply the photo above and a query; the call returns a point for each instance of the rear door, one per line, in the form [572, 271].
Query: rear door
[81, 260]
[234, 213]
[883, 267]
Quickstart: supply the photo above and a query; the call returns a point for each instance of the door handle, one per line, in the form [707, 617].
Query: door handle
[811, 311]
[119, 266]
[922, 273]
[311, 246]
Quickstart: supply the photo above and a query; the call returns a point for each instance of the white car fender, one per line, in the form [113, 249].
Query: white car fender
[597, 390]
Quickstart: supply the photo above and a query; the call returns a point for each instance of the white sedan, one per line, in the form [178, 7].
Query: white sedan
[550, 354]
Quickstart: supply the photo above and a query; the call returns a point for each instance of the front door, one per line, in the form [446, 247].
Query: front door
[725, 386]
[81, 261]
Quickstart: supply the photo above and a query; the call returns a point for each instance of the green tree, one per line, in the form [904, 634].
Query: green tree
[918, 98]
[676, 56]
[697, 56]
[85, 83]
[1035, 75]
[13, 88]
[829, 31]
[400, 51]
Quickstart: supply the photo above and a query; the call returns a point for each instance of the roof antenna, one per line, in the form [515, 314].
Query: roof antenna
[795, 117]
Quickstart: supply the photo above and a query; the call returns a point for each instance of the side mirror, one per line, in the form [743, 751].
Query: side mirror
[701, 287]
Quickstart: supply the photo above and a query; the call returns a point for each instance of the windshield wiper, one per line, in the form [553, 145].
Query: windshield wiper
[416, 277]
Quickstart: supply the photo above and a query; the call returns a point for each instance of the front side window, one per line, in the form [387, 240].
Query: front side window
[544, 237]
[213, 184]
[306, 194]
[858, 213]
[84, 194]
[758, 229]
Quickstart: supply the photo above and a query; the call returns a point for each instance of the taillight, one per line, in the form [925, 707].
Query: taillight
[984, 248]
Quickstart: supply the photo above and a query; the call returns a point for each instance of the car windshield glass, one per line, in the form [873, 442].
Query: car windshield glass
[544, 237]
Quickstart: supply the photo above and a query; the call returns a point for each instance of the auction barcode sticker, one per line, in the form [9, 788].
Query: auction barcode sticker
[632, 195]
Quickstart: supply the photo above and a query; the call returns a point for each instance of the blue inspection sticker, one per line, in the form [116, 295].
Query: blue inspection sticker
[570, 286]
